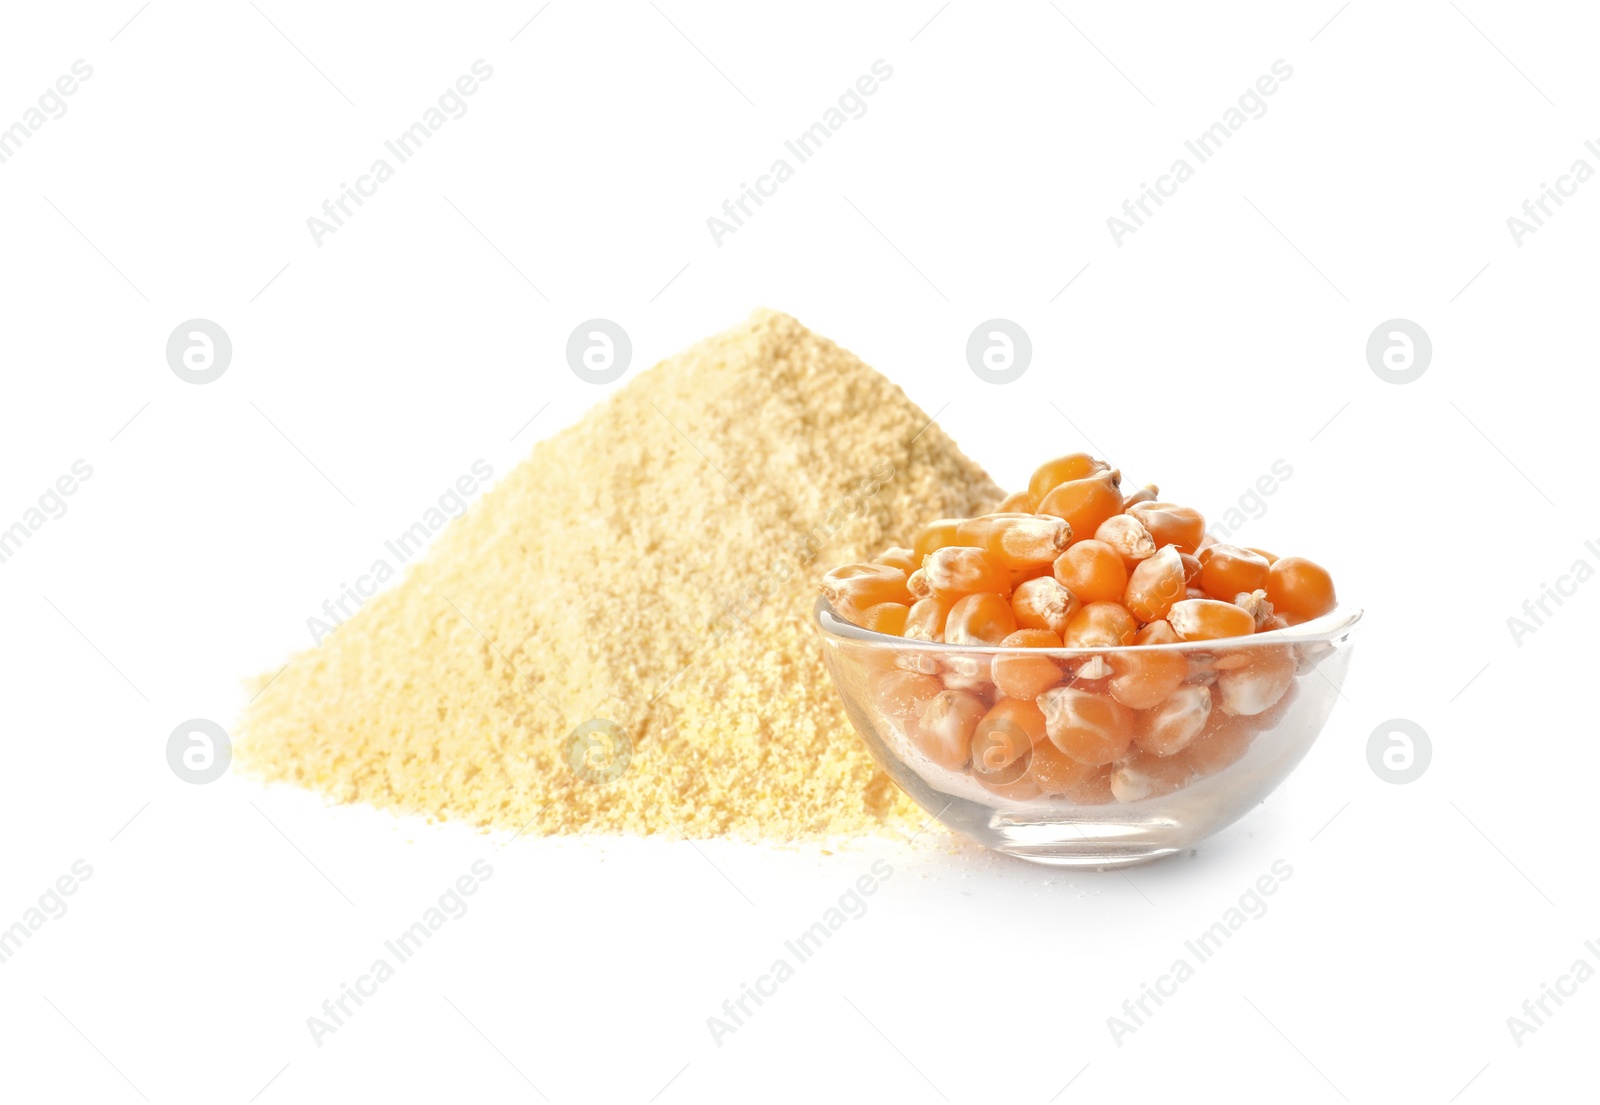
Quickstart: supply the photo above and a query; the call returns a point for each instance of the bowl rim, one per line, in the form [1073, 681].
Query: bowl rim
[1336, 624]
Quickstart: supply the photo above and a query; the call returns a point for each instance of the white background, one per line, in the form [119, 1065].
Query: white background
[370, 372]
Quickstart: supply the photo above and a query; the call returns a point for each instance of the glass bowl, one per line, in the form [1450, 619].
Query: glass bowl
[1246, 712]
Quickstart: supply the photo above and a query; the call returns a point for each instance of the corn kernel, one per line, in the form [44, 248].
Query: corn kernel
[1090, 728]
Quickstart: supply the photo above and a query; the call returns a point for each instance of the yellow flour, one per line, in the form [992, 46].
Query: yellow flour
[653, 565]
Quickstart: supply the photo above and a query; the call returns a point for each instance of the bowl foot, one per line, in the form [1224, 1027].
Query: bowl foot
[1084, 844]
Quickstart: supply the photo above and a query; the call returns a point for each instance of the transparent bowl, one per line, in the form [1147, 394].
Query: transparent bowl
[1054, 810]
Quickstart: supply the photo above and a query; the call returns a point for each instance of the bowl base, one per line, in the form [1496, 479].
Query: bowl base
[1078, 857]
[1087, 843]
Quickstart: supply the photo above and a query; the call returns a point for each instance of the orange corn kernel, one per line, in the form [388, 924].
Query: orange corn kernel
[1271, 718]
[1058, 775]
[1227, 658]
[1091, 670]
[957, 570]
[1025, 716]
[935, 535]
[1270, 558]
[917, 585]
[1019, 576]
[1256, 604]
[1222, 742]
[1191, 568]
[1093, 571]
[1202, 667]
[1174, 726]
[1171, 524]
[1256, 686]
[1300, 587]
[1017, 541]
[915, 660]
[1091, 728]
[981, 619]
[925, 620]
[1144, 775]
[1226, 570]
[1003, 740]
[1024, 677]
[1084, 503]
[944, 731]
[1043, 603]
[1023, 789]
[1053, 473]
[1127, 535]
[1101, 625]
[1209, 619]
[1157, 633]
[1142, 680]
[854, 587]
[886, 617]
[970, 531]
[896, 557]
[1095, 791]
[1146, 494]
[1019, 501]
[902, 695]
[1155, 585]
[968, 673]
